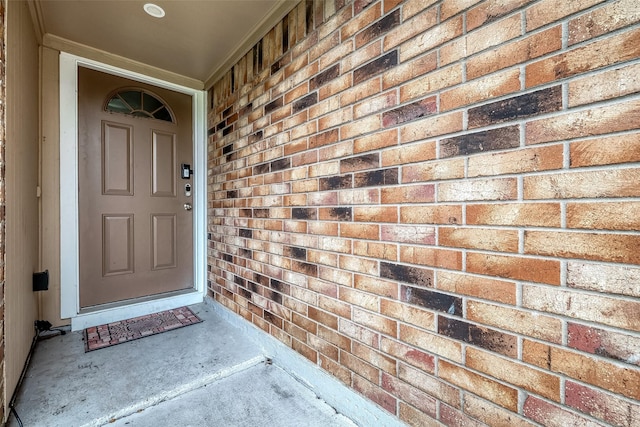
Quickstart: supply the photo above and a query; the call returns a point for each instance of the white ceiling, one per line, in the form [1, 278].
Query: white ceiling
[195, 39]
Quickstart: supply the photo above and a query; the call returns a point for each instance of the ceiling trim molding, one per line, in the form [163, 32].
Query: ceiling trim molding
[78, 49]
[35, 9]
[279, 11]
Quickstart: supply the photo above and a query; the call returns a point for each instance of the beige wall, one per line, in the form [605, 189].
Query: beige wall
[21, 183]
[50, 219]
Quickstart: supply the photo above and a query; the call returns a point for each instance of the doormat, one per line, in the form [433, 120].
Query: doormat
[115, 333]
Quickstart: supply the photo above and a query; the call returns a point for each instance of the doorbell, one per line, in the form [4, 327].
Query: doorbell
[186, 171]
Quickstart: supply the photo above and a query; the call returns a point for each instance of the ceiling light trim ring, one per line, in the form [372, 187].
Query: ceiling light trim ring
[154, 10]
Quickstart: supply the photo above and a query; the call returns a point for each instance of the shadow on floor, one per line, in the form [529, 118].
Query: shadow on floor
[207, 374]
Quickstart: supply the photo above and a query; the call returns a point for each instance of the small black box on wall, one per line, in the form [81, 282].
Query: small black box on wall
[41, 281]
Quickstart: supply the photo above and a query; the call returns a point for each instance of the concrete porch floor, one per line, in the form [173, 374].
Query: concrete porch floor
[208, 374]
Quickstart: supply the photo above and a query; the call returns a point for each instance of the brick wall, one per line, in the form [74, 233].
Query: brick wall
[3, 399]
[438, 203]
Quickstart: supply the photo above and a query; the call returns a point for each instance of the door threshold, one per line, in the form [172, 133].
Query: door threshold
[114, 312]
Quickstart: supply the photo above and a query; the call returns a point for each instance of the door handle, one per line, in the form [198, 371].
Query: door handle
[187, 206]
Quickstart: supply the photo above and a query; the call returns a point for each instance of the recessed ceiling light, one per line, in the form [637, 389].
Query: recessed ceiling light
[154, 10]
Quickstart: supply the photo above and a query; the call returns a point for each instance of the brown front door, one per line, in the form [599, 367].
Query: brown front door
[136, 231]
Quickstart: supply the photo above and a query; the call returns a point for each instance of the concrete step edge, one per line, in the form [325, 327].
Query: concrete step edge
[173, 393]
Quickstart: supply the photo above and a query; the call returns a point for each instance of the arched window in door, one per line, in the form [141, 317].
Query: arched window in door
[139, 103]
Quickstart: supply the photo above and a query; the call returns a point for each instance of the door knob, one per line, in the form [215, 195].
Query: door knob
[187, 206]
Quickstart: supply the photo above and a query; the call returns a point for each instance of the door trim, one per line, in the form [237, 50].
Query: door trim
[69, 234]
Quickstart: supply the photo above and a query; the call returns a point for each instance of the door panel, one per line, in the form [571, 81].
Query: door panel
[136, 238]
[117, 159]
[117, 244]
[163, 243]
[164, 166]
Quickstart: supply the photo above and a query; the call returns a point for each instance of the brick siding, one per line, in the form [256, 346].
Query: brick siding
[436, 201]
[3, 399]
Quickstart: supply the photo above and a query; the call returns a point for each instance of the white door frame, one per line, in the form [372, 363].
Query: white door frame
[69, 234]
